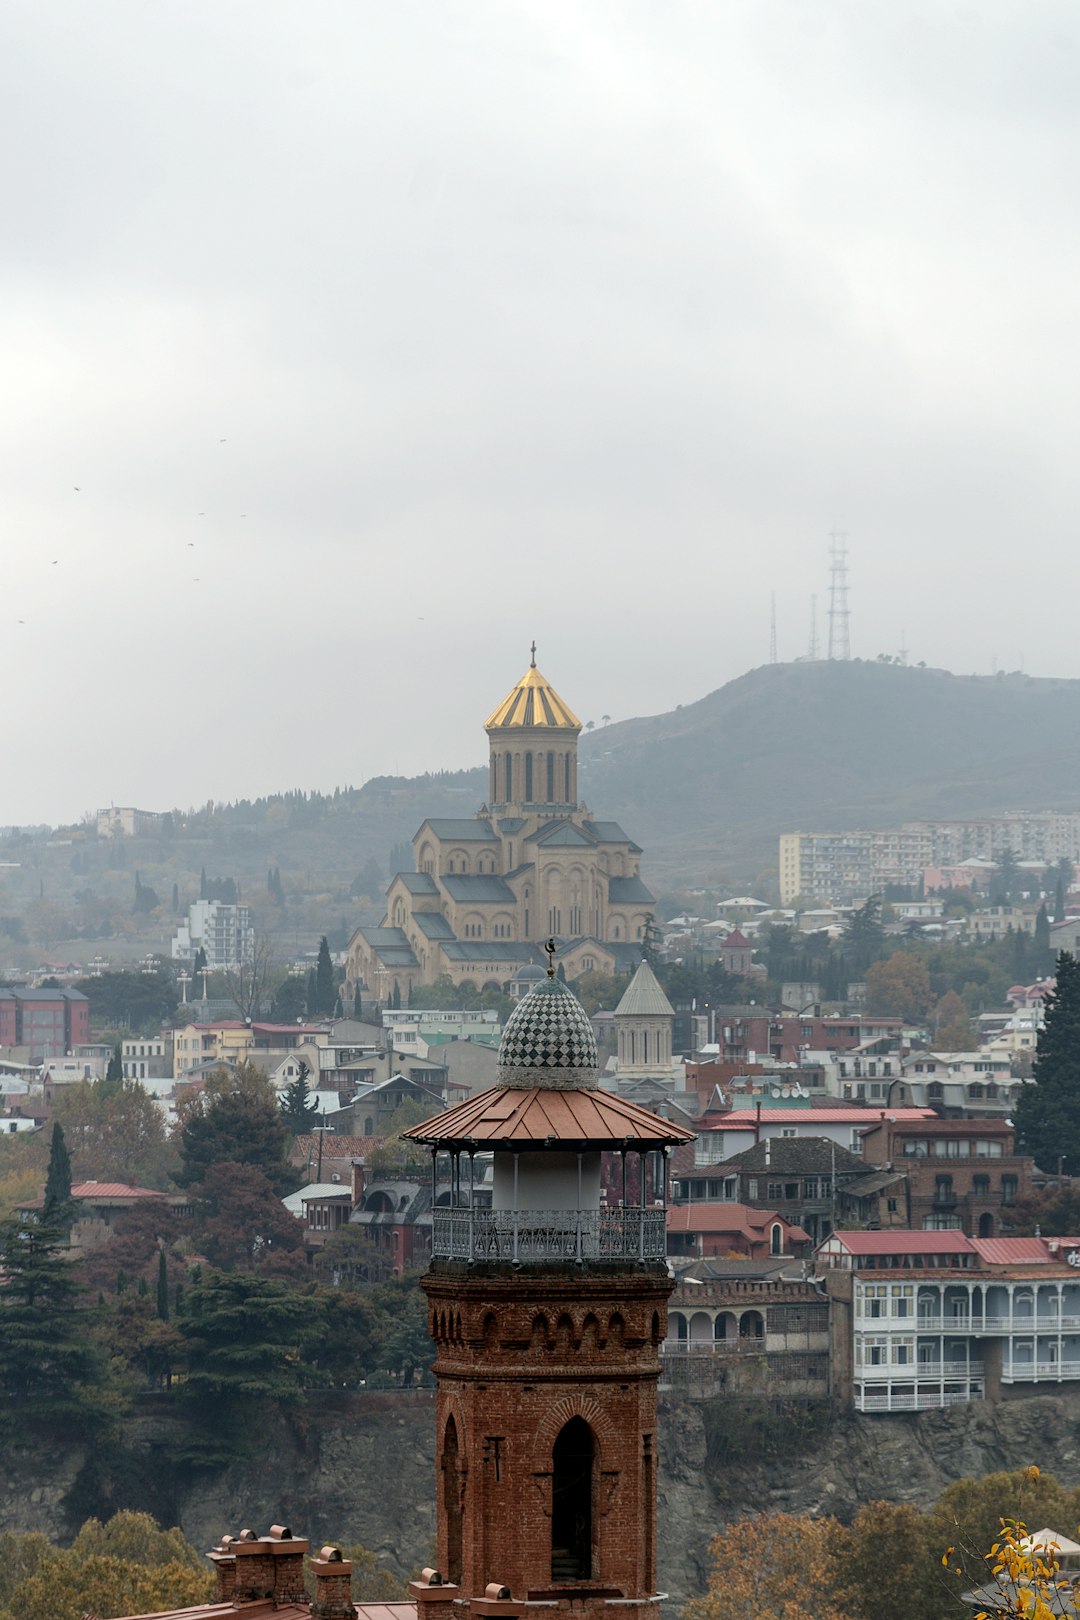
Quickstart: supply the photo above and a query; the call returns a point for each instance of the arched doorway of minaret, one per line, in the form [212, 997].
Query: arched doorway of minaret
[573, 1489]
[450, 1463]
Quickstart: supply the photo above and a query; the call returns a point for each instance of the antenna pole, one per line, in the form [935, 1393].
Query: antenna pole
[839, 615]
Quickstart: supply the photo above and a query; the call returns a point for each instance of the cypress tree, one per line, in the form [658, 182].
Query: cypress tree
[325, 988]
[59, 1211]
[312, 993]
[1048, 1112]
[1043, 954]
[162, 1287]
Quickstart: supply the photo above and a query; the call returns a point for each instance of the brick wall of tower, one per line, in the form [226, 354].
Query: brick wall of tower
[518, 1356]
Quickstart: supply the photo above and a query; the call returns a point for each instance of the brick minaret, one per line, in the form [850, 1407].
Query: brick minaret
[547, 1310]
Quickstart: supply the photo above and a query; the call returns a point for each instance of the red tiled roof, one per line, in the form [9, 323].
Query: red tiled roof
[903, 1241]
[746, 1219]
[542, 1114]
[112, 1189]
[737, 940]
[337, 1147]
[745, 1118]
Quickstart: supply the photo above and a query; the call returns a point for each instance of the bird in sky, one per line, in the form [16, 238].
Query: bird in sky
[191, 542]
[78, 491]
[223, 441]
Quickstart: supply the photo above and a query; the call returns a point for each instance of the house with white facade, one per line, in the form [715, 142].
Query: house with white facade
[932, 1319]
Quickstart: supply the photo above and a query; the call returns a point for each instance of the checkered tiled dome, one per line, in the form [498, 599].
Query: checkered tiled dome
[548, 1041]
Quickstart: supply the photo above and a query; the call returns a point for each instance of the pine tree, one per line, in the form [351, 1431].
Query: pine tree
[1048, 1112]
[162, 1287]
[1059, 900]
[1043, 954]
[298, 1107]
[115, 1071]
[325, 987]
[312, 994]
[59, 1210]
[49, 1365]
[204, 893]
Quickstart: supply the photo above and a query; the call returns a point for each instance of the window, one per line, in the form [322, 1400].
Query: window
[890, 1205]
[789, 1130]
[751, 1187]
[903, 1352]
[874, 1300]
[903, 1299]
[980, 1185]
[776, 1190]
[1008, 1189]
[573, 1466]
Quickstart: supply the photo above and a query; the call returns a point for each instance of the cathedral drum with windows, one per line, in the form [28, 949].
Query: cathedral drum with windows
[547, 1310]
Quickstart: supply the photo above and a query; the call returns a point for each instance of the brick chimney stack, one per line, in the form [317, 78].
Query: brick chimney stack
[333, 1586]
[287, 1552]
[433, 1596]
[254, 1578]
[224, 1561]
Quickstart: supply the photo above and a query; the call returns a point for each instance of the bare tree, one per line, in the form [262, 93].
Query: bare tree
[250, 982]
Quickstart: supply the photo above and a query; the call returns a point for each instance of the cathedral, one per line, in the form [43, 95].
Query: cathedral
[531, 864]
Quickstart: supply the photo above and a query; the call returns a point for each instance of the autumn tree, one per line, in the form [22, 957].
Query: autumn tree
[775, 1566]
[952, 1027]
[899, 987]
[115, 1131]
[249, 983]
[1048, 1112]
[241, 1220]
[126, 1566]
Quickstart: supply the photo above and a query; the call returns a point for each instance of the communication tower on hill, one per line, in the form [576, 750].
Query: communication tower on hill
[839, 614]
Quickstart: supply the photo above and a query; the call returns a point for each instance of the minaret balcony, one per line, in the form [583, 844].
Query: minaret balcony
[631, 1235]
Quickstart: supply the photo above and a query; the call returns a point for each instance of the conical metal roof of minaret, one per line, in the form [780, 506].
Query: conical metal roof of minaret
[644, 996]
[533, 704]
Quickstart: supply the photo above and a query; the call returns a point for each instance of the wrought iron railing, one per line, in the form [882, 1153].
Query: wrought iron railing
[535, 1236]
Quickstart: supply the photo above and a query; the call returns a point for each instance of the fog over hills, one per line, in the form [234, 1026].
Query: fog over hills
[708, 788]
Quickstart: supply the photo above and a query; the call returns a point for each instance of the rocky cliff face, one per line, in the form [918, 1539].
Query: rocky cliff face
[362, 1469]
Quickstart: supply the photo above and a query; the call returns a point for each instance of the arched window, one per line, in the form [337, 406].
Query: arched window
[776, 1239]
[528, 777]
[508, 778]
[550, 777]
[566, 777]
[573, 1466]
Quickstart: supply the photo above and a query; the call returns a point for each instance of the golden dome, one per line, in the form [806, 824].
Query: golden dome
[533, 704]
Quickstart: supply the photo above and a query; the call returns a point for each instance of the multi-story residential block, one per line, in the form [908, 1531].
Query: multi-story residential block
[961, 1174]
[932, 1319]
[147, 1057]
[47, 1023]
[840, 867]
[224, 931]
[127, 822]
[957, 1085]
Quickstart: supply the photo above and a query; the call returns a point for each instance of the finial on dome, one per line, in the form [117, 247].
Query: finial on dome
[532, 650]
[550, 949]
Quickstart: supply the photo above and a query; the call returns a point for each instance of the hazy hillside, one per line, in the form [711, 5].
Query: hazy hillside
[707, 789]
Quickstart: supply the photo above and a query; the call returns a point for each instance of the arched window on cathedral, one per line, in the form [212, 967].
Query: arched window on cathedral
[528, 777]
[508, 778]
[566, 777]
[550, 778]
[573, 1468]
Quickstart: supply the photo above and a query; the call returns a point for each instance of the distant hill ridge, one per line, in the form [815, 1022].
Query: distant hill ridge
[707, 788]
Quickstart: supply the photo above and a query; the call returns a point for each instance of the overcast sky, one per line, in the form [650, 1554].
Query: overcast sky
[348, 346]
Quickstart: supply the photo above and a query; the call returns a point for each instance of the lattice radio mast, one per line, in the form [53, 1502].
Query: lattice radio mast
[839, 615]
[772, 630]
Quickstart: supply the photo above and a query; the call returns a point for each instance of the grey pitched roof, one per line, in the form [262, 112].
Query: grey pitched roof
[623, 890]
[644, 997]
[461, 831]
[433, 925]
[526, 866]
[511, 824]
[486, 950]
[479, 889]
[797, 1155]
[560, 833]
[391, 946]
[417, 882]
[609, 832]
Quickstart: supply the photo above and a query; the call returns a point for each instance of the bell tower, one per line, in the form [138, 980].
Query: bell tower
[547, 1310]
[533, 738]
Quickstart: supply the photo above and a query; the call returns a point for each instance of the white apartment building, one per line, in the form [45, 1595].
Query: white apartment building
[933, 1319]
[838, 867]
[223, 931]
[146, 1057]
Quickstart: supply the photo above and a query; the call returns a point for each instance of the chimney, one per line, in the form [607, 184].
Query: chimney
[224, 1561]
[435, 1596]
[254, 1578]
[287, 1552]
[333, 1586]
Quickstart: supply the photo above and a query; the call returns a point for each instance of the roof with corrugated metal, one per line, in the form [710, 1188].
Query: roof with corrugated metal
[1015, 1250]
[540, 1116]
[900, 1241]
